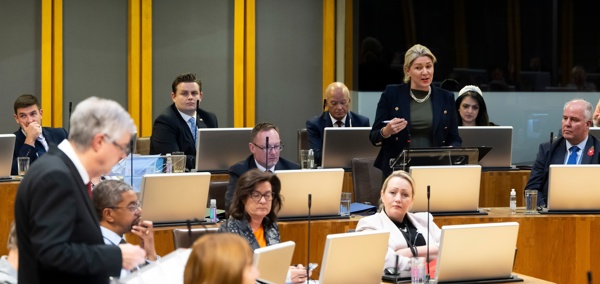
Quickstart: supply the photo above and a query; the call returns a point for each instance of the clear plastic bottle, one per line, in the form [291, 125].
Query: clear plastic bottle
[169, 164]
[513, 201]
[213, 211]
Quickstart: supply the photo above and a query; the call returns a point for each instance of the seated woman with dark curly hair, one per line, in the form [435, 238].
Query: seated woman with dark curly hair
[253, 213]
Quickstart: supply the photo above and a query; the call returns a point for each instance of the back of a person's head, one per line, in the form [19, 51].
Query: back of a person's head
[218, 258]
[98, 116]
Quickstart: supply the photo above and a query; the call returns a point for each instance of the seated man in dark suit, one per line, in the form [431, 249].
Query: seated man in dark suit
[175, 129]
[32, 140]
[119, 212]
[575, 146]
[258, 159]
[338, 115]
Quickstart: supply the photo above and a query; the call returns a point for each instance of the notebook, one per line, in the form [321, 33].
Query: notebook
[344, 261]
[482, 253]
[173, 199]
[341, 144]
[454, 190]
[325, 185]
[499, 138]
[274, 261]
[573, 189]
[7, 148]
[220, 148]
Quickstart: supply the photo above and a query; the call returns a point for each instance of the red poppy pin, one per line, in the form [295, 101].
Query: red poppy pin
[591, 151]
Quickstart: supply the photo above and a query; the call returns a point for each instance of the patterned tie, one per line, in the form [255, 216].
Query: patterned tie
[39, 145]
[193, 129]
[573, 157]
[89, 188]
[339, 123]
[122, 241]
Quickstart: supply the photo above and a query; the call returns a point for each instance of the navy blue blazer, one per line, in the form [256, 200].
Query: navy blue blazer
[53, 137]
[240, 168]
[316, 126]
[170, 133]
[395, 102]
[554, 153]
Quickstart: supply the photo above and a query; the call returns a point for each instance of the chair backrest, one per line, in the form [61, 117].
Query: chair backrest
[302, 142]
[217, 190]
[142, 145]
[366, 181]
[182, 238]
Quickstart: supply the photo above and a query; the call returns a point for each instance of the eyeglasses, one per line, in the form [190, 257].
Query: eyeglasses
[124, 149]
[257, 196]
[276, 148]
[133, 207]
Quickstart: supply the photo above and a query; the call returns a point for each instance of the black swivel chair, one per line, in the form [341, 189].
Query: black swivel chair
[366, 181]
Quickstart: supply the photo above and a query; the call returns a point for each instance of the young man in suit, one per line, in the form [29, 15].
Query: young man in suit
[338, 115]
[576, 122]
[58, 231]
[119, 212]
[264, 157]
[32, 140]
[176, 128]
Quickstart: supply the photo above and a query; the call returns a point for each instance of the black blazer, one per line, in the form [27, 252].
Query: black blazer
[240, 168]
[395, 102]
[52, 135]
[554, 153]
[170, 133]
[58, 232]
[315, 127]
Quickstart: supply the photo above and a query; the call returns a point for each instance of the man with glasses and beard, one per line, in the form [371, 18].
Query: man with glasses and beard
[119, 212]
[258, 159]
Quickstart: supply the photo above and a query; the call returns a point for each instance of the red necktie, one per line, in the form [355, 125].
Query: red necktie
[339, 123]
[89, 188]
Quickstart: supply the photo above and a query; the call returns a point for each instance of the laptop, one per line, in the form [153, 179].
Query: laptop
[168, 269]
[345, 261]
[477, 253]
[220, 148]
[574, 189]
[174, 199]
[499, 138]
[325, 186]
[454, 190]
[7, 148]
[274, 261]
[595, 131]
[341, 144]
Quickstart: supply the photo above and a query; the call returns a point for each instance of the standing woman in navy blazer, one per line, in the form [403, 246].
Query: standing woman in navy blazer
[414, 112]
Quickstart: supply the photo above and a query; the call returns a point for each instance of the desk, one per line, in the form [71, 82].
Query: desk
[8, 192]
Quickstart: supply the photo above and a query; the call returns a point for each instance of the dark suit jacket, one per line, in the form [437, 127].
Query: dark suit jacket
[170, 133]
[395, 102]
[58, 232]
[52, 135]
[240, 168]
[316, 126]
[555, 154]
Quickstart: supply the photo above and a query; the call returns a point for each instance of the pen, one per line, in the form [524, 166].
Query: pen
[386, 121]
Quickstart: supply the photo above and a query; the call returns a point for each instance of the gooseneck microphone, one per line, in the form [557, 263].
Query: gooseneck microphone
[589, 277]
[427, 277]
[551, 137]
[131, 158]
[405, 167]
[308, 243]
[69, 120]
[267, 154]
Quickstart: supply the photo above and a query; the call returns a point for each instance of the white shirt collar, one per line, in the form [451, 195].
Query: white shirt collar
[110, 237]
[333, 120]
[263, 169]
[186, 117]
[67, 148]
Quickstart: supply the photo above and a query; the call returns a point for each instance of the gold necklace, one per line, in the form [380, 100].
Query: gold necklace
[420, 100]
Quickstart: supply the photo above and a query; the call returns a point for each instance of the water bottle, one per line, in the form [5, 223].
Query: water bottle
[513, 202]
[213, 211]
[169, 164]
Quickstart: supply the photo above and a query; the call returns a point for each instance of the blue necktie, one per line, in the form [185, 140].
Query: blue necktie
[573, 157]
[193, 128]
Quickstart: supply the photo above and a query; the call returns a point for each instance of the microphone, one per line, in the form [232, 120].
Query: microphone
[267, 153]
[551, 137]
[589, 277]
[308, 243]
[427, 276]
[189, 228]
[131, 166]
[407, 153]
[69, 120]
[324, 104]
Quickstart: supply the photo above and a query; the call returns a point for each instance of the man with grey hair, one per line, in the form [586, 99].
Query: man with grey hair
[575, 146]
[57, 229]
[10, 263]
[338, 114]
[119, 211]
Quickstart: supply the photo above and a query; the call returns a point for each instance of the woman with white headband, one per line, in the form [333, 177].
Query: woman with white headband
[470, 107]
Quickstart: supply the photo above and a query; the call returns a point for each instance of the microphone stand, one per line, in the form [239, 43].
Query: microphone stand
[69, 120]
[267, 154]
[308, 243]
[131, 166]
[427, 277]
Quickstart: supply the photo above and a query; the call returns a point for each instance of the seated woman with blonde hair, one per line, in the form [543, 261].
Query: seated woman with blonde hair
[220, 258]
[407, 230]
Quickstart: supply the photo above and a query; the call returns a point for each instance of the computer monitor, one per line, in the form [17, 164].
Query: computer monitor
[220, 148]
[7, 148]
[574, 189]
[342, 144]
[498, 138]
[274, 261]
